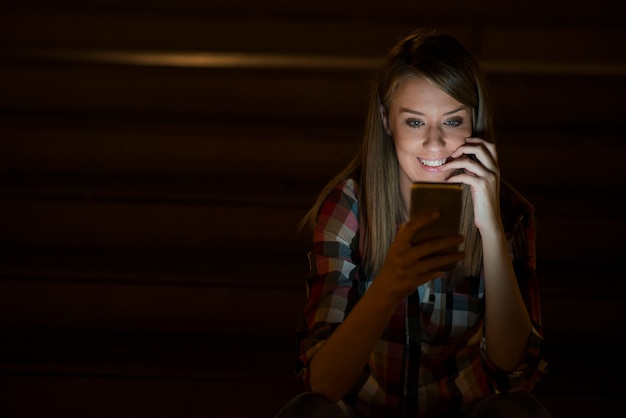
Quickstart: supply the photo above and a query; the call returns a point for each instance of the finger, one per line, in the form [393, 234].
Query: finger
[468, 167]
[437, 245]
[489, 146]
[482, 151]
[480, 166]
[477, 156]
[439, 263]
[419, 220]
[428, 268]
[440, 245]
[479, 185]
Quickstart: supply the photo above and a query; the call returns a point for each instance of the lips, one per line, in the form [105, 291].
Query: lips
[433, 163]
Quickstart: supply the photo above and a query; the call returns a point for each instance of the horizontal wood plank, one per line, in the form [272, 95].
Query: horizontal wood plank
[156, 157]
[224, 309]
[313, 96]
[191, 309]
[105, 226]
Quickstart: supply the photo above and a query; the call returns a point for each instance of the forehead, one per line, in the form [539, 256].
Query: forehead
[421, 94]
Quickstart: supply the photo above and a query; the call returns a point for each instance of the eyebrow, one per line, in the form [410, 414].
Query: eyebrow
[415, 112]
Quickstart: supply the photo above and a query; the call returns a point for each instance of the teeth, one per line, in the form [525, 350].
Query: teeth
[433, 163]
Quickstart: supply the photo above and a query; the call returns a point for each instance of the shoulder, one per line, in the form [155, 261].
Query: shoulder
[344, 194]
[340, 209]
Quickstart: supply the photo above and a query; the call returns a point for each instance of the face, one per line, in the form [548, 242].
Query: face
[427, 125]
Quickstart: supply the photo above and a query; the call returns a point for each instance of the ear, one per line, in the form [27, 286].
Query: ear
[383, 117]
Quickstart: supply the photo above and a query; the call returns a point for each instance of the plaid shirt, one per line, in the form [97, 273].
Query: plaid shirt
[432, 357]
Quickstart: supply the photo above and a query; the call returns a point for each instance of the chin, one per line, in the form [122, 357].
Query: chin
[433, 176]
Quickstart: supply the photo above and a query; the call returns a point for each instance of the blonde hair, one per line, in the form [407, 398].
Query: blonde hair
[444, 61]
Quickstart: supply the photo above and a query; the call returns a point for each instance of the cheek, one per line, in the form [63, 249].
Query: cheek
[405, 143]
[456, 137]
[458, 140]
[405, 136]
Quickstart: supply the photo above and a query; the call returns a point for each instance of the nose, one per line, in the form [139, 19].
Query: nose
[434, 138]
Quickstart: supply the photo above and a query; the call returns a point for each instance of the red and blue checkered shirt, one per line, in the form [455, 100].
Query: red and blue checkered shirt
[432, 357]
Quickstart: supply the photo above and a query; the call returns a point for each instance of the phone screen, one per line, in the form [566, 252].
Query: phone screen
[447, 198]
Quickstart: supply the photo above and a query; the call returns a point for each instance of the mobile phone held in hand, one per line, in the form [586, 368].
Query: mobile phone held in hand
[447, 198]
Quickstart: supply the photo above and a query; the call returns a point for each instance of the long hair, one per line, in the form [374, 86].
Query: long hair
[444, 61]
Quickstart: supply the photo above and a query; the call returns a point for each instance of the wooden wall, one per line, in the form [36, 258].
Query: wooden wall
[156, 156]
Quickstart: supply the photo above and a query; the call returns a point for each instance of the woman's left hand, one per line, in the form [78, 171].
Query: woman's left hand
[482, 174]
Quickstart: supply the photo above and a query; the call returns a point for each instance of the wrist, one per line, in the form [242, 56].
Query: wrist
[493, 232]
[381, 296]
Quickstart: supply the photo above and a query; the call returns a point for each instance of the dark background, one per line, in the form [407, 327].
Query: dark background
[156, 156]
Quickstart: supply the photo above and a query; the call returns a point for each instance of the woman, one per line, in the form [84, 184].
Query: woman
[386, 332]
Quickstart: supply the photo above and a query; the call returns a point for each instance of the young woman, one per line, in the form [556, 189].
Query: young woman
[386, 331]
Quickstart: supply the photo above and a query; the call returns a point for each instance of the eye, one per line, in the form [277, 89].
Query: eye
[454, 122]
[414, 123]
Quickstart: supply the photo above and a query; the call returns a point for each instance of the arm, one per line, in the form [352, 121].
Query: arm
[337, 362]
[340, 360]
[521, 240]
[507, 321]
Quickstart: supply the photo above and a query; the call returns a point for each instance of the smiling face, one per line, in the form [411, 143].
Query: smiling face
[427, 125]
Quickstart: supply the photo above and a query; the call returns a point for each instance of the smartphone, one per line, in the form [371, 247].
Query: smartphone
[447, 198]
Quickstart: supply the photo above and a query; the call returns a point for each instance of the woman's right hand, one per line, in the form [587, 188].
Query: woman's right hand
[408, 266]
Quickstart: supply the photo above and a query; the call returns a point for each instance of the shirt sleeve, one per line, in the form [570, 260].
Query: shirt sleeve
[332, 283]
[533, 366]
